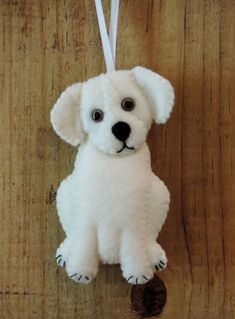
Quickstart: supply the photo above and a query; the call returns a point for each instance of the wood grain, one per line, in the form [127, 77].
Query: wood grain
[47, 45]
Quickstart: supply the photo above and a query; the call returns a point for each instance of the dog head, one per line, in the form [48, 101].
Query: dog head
[114, 110]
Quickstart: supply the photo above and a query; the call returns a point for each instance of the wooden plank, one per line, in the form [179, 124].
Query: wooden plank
[47, 45]
[227, 150]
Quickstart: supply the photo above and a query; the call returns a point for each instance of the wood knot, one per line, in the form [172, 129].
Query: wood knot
[149, 300]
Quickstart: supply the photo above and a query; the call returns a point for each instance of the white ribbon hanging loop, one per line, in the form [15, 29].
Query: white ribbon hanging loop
[108, 42]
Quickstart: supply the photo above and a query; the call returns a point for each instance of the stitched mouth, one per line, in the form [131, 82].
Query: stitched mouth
[125, 146]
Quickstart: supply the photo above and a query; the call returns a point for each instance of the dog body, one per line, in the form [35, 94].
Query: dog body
[112, 206]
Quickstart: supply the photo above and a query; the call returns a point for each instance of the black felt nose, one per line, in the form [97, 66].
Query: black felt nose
[121, 131]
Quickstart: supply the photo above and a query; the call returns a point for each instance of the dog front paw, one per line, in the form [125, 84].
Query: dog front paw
[137, 276]
[81, 271]
[138, 279]
[81, 278]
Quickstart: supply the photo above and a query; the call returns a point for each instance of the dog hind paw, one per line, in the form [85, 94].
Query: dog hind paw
[158, 257]
[60, 260]
[161, 264]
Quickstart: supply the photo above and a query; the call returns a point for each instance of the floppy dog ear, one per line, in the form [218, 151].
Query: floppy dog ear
[65, 115]
[158, 90]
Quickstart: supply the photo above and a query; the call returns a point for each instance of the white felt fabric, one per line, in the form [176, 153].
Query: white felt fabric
[112, 206]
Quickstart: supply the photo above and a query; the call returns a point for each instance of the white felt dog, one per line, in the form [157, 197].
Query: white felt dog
[112, 206]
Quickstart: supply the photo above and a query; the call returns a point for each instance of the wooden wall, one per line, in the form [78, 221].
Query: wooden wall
[47, 45]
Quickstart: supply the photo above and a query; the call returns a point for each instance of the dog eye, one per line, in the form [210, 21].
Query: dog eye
[97, 115]
[128, 104]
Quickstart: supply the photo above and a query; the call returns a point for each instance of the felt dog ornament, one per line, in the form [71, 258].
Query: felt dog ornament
[112, 207]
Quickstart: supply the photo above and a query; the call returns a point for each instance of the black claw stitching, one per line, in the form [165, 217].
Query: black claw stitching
[73, 275]
[136, 281]
[80, 278]
[87, 278]
[156, 267]
[159, 265]
[58, 256]
[59, 261]
[161, 262]
[129, 278]
[145, 278]
[64, 264]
